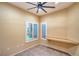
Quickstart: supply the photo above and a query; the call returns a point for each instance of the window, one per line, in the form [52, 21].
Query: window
[43, 31]
[35, 31]
[31, 32]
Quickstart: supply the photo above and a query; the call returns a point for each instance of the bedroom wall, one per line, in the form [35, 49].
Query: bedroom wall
[73, 25]
[63, 24]
[56, 28]
[13, 30]
[73, 22]
[0, 40]
[56, 24]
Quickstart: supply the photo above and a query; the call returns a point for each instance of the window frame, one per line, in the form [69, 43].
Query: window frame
[25, 28]
[41, 31]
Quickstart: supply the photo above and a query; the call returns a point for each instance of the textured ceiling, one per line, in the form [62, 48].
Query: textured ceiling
[59, 6]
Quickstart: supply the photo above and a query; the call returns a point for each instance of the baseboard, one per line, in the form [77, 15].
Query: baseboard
[24, 49]
[57, 50]
[37, 45]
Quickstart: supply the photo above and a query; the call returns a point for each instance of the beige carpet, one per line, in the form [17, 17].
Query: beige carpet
[41, 51]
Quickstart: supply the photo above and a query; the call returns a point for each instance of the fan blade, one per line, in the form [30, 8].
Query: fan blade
[44, 10]
[31, 8]
[39, 2]
[37, 10]
[31, 3]
[48, 6]
[44, 3]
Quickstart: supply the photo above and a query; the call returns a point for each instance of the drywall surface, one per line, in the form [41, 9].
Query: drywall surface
[73, 24]
[64, 24]
[12, 21]
[56, 24]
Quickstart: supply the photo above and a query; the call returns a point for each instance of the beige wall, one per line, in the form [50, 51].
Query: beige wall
[13, 30]
[0, 41]
[73, 24]
[56, 24]
[64, 24]
[56, 28]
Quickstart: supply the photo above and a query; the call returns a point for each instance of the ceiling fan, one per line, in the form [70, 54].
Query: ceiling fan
[40, 5]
